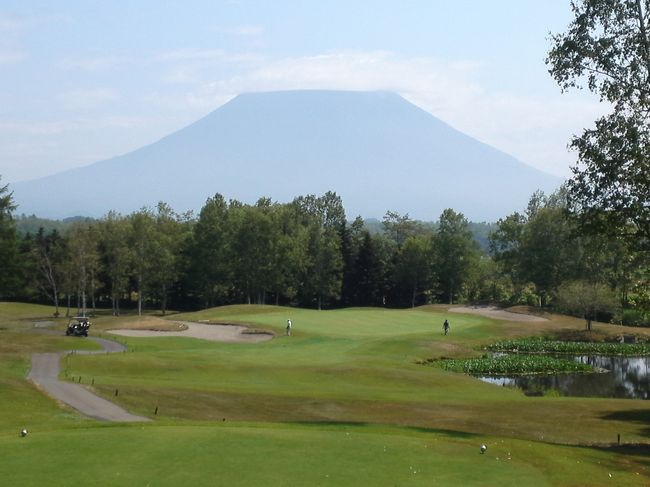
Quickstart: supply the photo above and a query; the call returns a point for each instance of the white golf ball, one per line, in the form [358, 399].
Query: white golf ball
[483, 448]
[23, 432]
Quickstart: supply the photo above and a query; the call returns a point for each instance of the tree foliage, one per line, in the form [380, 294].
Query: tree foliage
[456, 253]
[9, 249]
[607, 48]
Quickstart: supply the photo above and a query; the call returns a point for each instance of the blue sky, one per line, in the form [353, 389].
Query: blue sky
[86, 80]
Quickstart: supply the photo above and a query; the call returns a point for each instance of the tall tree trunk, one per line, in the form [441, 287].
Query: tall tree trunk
[56, 302]
[92, 289]
[163, 301]
[319, 302]
[140, 294]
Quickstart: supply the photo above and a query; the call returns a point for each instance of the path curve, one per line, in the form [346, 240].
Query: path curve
[497, 313]
[45, 374]
[204, 331]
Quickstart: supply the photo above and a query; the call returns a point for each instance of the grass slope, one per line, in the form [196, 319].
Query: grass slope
[342, 402]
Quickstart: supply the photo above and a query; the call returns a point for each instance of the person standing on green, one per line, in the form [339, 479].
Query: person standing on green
[445, 327]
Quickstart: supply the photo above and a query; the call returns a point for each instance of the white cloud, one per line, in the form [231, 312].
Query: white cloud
[92, 64]
[192, 54]
[530, 127]
[82, 124]
[11, 56]
[83, 99]
[12, 23]
[246, 30]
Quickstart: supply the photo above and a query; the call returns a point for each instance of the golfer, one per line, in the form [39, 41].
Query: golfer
[288, 328]
[445, 327]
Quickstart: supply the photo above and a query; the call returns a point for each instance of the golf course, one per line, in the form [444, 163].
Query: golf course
[348, 399]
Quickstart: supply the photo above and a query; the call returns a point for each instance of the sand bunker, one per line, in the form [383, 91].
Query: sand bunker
[216, 333]
[497, 313]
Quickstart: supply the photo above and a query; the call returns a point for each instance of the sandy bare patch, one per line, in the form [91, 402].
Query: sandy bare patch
[216, 333]
[152, 323]
[497, 313]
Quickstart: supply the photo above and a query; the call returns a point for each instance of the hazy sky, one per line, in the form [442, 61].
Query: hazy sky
[85, 80]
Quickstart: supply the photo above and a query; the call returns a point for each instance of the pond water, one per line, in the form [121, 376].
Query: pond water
[626, 377]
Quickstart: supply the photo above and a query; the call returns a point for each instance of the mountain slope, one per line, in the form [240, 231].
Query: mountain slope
[375, 149]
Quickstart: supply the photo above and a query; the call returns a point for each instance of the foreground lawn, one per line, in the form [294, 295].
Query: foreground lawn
[280, 455]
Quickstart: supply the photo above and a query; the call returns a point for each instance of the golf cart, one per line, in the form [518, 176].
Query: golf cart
[78, 326]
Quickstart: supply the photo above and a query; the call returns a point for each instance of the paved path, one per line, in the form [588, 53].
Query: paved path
[45, 374]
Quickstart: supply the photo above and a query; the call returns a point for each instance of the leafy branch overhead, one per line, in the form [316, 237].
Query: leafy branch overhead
[607, 48]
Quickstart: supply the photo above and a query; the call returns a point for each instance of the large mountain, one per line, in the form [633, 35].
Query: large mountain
[375, 149]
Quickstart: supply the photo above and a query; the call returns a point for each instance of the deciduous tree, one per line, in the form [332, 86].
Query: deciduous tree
[607, 48]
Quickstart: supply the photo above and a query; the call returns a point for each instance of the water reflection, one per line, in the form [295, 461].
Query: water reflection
[626, 377]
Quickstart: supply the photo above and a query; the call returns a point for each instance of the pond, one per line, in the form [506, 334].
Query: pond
[626, 377]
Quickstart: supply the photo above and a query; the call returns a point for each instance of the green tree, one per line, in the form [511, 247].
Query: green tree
[171, 233]
[144, 248]
[289, 244]
[48, 254]
[607, 47]
[400, 227]
[505, 247]
[549, 251]
[208, 270]
[351, 239]
[324, 219]
[250, 249]
[368, 274]
[83, 263]
[541, 247]
[116, 256]
[412, 272]
[587, 298]
[9, 248]
[323, 278]
[455, 253]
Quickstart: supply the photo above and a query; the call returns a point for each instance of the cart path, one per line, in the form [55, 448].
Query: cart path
[45, 374]
[204, 331]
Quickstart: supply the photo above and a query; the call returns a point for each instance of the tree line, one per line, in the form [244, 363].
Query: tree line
[307, 253]
[583, 249]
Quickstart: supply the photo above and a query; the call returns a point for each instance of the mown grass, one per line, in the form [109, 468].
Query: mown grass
[279, 412]
[279, 455]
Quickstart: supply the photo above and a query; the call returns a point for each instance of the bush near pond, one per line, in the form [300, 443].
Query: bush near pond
[540, 345]
[514, 365]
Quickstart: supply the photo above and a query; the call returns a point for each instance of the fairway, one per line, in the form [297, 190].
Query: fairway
[344, 401]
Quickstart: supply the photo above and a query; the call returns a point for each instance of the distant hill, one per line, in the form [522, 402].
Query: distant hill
[375, 149]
